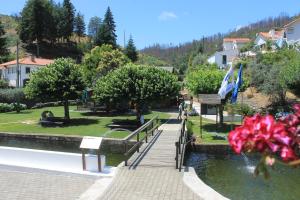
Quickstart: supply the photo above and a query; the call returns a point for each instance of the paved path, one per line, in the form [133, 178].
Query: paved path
[154, 175]
[18, 183]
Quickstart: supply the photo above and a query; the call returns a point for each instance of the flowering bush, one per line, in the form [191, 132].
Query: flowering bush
[269, 137]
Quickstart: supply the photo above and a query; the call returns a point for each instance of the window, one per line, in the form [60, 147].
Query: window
[224, 59]
[290, 30]
[27, 70]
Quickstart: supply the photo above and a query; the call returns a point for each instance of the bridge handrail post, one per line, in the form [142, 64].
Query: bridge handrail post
[176, 158]
[138, 141]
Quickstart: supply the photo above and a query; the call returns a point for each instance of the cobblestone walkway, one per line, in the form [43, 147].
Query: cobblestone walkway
[154, 176]
[24, 184]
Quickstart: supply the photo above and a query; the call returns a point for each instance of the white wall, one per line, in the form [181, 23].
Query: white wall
[51, 160]
[230, 54]
[228, 46]
[295, 35]
[10, 74]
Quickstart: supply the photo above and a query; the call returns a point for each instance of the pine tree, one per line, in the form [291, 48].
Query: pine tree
[3, 49]
[106, 34]
[68, 19]
[79, 25]
[94, 26]
[36, 21]
[131, 51]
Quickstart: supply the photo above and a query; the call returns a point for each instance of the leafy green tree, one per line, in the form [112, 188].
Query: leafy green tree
[140, 85]
[107, 31]
[3, 49]
[79, 25]
[68, 19]
[94, 26]
[61, 81]
[204, 81]
[130, 50]
[36, 21]
[101, 60]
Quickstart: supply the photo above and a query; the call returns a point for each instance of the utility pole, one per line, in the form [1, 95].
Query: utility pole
[18, 69]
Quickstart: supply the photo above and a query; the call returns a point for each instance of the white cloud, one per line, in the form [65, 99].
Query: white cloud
[166, 15]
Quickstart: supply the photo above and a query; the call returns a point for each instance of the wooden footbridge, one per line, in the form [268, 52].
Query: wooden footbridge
[151, 172]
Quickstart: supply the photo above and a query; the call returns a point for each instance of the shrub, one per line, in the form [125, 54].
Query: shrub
[241, 109]
[3, 84]
[5, 107]
[12, 95]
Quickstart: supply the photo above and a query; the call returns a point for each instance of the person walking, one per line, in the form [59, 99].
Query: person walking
[180, 108]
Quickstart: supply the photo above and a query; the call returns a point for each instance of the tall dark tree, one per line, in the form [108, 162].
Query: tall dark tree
[68, 19]
[130, 50]
[58, 15]
[94, 26]
[3, 49]
[79, 25]
[36, 21]
[106, 34]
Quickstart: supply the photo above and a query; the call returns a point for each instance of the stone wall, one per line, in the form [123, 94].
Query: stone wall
[108, 144]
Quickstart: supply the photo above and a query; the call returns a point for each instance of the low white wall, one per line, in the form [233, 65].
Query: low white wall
[191, 179]
[50, 160]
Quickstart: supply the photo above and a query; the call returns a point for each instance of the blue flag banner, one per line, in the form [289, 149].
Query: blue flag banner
[225, 86]
[238, 84]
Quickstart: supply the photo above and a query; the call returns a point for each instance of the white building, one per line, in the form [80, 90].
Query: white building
[275, 36]
[231, 51]
[292, 31]
[8, 71]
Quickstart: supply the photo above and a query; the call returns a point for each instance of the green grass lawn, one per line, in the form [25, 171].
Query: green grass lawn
[82, 124]
[210, 134]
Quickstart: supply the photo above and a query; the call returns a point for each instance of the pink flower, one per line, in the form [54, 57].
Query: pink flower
[287, 154]
[266, 135]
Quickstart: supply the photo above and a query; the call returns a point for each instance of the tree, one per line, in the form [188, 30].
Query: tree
[94, 26]
[204, 81]
[275, 73]
[79, 25]
[3, 49]
[58, 15]
[106, 34]
[140, 85]
[68, 19]
[37, 21]
[101, 60]
[130, 50]
[61, 81]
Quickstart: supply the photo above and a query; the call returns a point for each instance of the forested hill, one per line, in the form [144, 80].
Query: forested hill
[180, 55]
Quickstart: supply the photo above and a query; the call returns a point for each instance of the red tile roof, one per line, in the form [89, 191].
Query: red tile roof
[29, 61]
[238, 40]
[277, 35]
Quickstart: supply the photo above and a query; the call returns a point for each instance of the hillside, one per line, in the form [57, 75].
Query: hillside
[10, 26]
[179, 56]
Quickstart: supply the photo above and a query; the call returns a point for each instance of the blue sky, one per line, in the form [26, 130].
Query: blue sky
[174, 21]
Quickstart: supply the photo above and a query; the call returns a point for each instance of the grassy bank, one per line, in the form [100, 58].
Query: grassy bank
[82, 123]
[210, 132]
